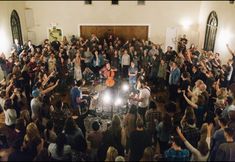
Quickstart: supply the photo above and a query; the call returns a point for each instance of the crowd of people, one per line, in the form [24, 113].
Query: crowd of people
[196, 122]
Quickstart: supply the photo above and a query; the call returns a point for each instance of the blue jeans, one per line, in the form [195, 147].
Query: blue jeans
[132, 82]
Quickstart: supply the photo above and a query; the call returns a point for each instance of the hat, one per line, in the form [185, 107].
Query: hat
[35, 93]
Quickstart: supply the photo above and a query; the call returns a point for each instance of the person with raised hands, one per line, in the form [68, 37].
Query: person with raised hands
[201, 153]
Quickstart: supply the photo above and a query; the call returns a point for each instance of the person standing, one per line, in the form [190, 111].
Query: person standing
[164, 131]
[161, 75]
[95, 138]
[35, 104]
[10, 113]
[115, 61]
[226, 151]
[51, 63]
[17, 47]
[154, 64]
[129, 124]
[176, 153]
[153, 51]
[173, 81]
[132, 73]
[96, 62]
[77, 67]
[60, 150]
[139, 140]
[145, 62]
[184, 84]
[230, 71]
[143, 99]
[232, 79]
[125, 64]
[218, 138]
[88, 57]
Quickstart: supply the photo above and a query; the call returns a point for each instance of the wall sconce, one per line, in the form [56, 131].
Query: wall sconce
[186, 23]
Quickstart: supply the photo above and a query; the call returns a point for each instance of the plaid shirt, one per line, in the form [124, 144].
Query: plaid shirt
[192, 134]
[173, 155]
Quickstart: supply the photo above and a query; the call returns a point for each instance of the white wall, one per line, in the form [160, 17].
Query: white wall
[157, 14]
[6, 7]
[226, 25]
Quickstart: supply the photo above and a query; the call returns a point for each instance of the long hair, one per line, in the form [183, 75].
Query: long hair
[112, 153]
[203, 132]
[133, 112]
[148, 154]
[116, 126]
[24, 114]
[203, 147]
[32, 131]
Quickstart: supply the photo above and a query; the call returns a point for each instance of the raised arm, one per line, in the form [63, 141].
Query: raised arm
[189, 91]
[209, 132]
[189, 101]
[84, 42]
[182, 122]
[50, 88]
[180, 134]
[13, 94]
[9, 88]
[187, 144]
[48, 78]
[3, 81]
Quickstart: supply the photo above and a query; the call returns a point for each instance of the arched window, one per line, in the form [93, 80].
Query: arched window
[211, 30]
[15, 27]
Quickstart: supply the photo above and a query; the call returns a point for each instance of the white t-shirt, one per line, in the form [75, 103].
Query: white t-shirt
[145, 94]
[35, 107]
[66, 152]
[10, 116]
[231, 108]
[126, 59]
